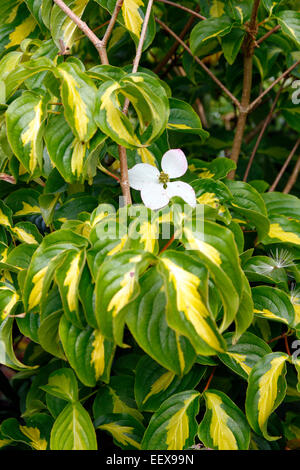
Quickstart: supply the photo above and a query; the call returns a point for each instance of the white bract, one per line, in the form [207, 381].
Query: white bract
[155, 186]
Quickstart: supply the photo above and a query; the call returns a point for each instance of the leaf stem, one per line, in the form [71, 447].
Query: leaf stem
[268, 34]
[188, 10]
[210, 379]
[264, 93]
[169, 243]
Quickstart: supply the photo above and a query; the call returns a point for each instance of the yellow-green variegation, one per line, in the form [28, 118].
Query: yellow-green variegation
[266, 390]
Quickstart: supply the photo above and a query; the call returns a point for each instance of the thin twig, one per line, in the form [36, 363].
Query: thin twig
[209, 379]
[191, 12]
[287, 348]
[112, 22]
[124, 181]
[85, 29]
[293, 178]
[268, 34]
[284, 167]
[266, 123]
[139, 50]
[264, 93]
[169, 243]
[200, 62]
[142, 37]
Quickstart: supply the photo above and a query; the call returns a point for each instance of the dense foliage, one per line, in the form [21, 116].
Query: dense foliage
[113, 334]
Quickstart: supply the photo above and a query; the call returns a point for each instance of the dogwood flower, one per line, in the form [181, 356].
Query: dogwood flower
[155, 186]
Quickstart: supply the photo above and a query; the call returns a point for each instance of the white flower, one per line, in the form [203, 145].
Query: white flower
[156, 188]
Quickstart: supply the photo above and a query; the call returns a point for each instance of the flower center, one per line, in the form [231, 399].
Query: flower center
[164, 179]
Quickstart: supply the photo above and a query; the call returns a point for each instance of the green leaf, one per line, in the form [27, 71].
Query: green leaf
[44, 262]
[17, 24]
[150, 103]
[224, 426]
[173, 425]
[282, 204]
[232, 43]
[249, 204]
[273, 304]
[215, 246]
[266, 390]
[218, 168]
[68, 278]
[78, 96]
[24, 120]
[146, 320]
[271, 5]
[62, 27]
[8, 300]
[27, 232]
[154, 384]
[73, 430]
[126, 431]
[71, 157]
[241, 356]
[187, 308]
[29, 326]
[208, 29]
[116, 286]
[267, 269]
[62, 384]
[283, 230]
[35, 432]
[290, 24]
[183, 118]
[24, 202]
[88, 352]
[26, 70]
[131, 17]
[117, 397]
[7, 354]
[5, 215]
[48, 336]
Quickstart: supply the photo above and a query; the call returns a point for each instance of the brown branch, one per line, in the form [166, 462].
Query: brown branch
[248, 49]
[264, 127]
[284, 167]
[112, 22]
[124, 181]
[169, 243]
[191, 12]
[293, 178]
[268, 34]
[264, 93]
[85, 29]
[142, 37]
[200, 62]
[210, 379]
